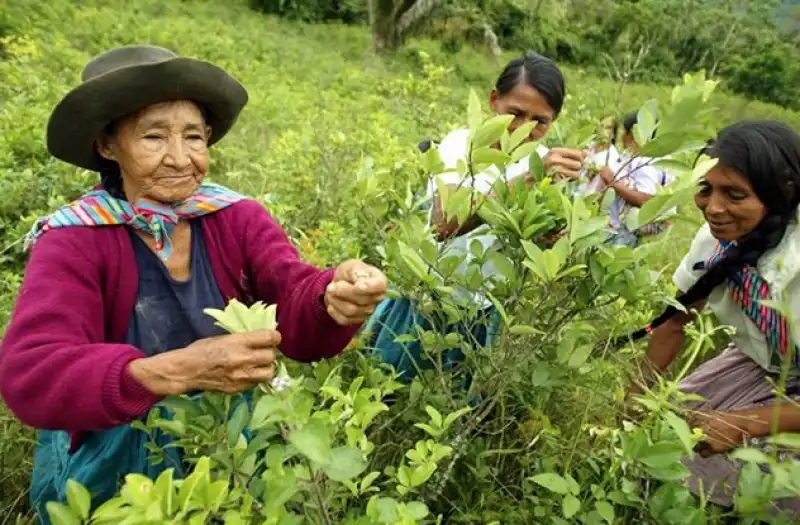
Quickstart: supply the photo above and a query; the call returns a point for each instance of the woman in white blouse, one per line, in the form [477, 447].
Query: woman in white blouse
[531, 88]
[634, 181]
[748, 251]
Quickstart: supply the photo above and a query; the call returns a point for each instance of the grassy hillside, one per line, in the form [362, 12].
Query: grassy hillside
[320, 102]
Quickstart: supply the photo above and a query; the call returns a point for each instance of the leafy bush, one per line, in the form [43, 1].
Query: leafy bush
[322, 445]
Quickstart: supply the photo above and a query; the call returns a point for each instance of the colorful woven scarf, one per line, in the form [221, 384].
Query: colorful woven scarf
[748, 289]
[100, 208]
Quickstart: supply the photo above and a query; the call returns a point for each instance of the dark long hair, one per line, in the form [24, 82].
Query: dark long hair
[767, 154]
[537, 71]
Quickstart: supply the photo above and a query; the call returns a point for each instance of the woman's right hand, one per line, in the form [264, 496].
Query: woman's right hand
[564, 163]
[229, 363]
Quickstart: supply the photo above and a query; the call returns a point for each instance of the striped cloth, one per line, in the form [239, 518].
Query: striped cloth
[748, 289]
[99, 208]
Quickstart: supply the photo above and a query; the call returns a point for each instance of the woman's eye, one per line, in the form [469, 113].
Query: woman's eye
[196, 137]
[736, 195]
[703, 188]
[152, 136]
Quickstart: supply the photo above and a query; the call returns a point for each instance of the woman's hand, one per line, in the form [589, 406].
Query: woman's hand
[229, 363]
[723, 431]
[607, 175]
[357, 288]
[549, 239]
[565, 162]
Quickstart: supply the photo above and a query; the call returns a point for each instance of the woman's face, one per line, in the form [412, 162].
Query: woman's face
[526, 105]
[162, 151]
[629, 143]
[729, 203]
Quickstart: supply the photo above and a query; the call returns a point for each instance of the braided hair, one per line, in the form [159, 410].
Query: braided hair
[767, 154]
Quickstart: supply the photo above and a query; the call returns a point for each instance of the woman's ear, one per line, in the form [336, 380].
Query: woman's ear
[791, 190]
[208, 133]
[493, 98]
[104, 148]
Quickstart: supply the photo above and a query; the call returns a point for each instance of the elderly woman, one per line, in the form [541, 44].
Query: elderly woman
[110, 316]
[748, 251]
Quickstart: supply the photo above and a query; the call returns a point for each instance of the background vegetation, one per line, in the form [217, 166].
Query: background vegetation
[748, 43]
[322, 101]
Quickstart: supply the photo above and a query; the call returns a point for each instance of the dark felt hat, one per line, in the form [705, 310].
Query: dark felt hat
[126, 79]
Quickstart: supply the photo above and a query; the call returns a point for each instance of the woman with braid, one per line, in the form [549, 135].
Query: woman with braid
[748, 251]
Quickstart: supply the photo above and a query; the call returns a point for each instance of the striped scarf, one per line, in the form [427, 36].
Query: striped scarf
[748, 289]
[100, 208]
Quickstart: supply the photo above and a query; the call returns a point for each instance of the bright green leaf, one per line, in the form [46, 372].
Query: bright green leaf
[79, 499]
[570, 506]
[681, 429]
[237, 423]
[552, 482]
[313, 441]
[490, 132]
[605, 510]
[347, 463]
[435, 415]
[61, 514]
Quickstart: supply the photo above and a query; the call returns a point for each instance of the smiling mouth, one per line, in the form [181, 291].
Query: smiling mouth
[176, 177]
[718, 225]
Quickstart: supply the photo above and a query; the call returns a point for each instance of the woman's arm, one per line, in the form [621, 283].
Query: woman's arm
[279, 276]
[56, 370]
[619, 185]
[665, 343]
[631, 196]
[726, 430]
[759, 420]
[451, 228]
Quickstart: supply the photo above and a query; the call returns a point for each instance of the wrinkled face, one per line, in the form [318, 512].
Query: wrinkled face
[162, 151]
[729, 203]
[526, 105]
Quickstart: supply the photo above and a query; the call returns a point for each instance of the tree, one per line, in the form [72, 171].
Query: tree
[391, 20]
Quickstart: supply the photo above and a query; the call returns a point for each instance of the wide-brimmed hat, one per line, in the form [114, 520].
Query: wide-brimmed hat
[126, 79]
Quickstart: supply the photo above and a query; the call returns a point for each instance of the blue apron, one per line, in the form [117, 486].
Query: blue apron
[168, 314]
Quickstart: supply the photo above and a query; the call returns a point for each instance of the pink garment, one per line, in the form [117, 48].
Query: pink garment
[62, 363]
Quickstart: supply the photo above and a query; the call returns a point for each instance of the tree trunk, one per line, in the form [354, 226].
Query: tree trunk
[384, 27]
[717, 56]
[414, 14]
[490, 37]
[391, 20]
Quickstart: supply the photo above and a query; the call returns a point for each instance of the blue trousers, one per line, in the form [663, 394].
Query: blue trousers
[399, 317]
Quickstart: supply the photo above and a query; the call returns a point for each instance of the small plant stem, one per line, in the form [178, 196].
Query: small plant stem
[316, 493]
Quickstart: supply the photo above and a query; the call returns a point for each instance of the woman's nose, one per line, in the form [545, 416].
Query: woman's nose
[177, 154]
[716, 205]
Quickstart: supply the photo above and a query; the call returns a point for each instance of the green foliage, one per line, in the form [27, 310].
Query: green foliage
[300, 456]
[750, 44]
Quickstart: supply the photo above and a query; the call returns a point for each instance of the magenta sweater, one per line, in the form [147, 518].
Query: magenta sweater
[62, 363]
